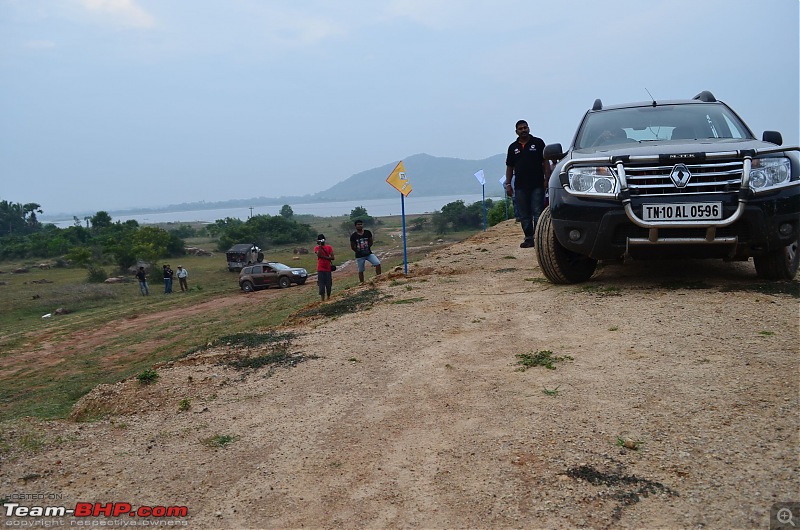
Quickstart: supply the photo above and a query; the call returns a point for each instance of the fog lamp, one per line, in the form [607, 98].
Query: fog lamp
[785, 229]
[574, 234]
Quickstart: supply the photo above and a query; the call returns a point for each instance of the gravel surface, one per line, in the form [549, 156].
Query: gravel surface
[674, 404]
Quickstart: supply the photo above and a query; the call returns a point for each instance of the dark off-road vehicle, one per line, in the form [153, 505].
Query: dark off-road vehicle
[263, 275]
[670, 179]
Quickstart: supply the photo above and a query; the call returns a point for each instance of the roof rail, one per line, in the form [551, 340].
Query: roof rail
[706, 96]
[598, 105]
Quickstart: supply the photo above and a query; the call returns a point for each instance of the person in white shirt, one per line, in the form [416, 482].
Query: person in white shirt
[182, 275]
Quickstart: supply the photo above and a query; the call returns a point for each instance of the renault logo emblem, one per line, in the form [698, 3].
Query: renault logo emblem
[680, 175]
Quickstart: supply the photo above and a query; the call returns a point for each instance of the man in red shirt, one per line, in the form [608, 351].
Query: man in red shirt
[324, 271]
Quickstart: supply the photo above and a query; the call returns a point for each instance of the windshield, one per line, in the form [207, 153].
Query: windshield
[279, 266]
[666, 122]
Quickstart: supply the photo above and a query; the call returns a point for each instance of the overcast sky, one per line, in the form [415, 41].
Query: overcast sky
[108, 104]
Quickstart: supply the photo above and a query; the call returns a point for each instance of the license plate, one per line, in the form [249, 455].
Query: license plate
[690, 211]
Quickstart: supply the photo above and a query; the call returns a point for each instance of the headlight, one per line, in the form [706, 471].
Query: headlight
[599, 180]
[768, 172]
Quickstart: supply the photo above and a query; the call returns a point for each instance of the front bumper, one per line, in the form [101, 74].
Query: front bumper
[607, 232]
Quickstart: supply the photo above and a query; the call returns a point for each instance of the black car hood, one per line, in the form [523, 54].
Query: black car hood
[670, 147]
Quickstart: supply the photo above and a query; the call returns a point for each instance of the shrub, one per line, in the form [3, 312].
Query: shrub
[96, 274]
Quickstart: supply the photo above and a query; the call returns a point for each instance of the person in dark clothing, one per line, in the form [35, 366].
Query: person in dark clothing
[141, 275]
[168, 274]
[361, 242]
[525, 163]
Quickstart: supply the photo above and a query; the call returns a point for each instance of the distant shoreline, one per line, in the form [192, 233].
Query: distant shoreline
[374, 207]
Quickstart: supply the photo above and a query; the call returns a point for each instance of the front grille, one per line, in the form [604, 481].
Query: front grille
[711, 177]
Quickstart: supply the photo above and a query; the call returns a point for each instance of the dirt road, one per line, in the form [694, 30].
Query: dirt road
[416, 413]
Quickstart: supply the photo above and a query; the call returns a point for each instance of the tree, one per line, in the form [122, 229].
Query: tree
[359, 212]
[100, 220]
[287, 212]
[417, 224]
[17, 218]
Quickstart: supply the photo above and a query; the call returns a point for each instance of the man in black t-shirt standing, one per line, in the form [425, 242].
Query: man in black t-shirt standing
[525, 162]
[361, 243]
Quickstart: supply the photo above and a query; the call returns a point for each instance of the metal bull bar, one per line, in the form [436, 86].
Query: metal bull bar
[710, 225]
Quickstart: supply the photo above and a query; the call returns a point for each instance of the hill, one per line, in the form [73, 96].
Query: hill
[429, 176]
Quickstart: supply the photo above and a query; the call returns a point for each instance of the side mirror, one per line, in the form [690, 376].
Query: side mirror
[553, 152]
[773, 137]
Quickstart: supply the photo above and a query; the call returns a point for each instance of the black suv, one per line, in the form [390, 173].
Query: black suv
[670, 179]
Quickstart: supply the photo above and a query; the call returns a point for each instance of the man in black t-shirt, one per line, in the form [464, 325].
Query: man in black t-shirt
[361, 243]
[525, 162]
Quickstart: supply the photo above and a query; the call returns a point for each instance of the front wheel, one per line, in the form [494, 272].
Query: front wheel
[284, 282]
[558, 264]
[248, 287]
[779, 264]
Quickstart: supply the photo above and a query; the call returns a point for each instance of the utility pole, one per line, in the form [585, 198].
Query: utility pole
[251, 212]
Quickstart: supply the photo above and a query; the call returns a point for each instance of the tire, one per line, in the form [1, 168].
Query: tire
[248, 287]
[284, 282]
[558, 264]
[779, 264]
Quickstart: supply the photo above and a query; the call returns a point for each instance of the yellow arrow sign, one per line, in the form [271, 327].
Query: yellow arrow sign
[398, 179]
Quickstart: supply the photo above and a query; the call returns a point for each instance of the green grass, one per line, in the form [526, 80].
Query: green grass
[219, 440]
[539, 358]
[147, 377]
[48, 390]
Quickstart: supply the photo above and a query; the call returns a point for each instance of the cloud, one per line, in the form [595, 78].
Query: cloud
[127, 12]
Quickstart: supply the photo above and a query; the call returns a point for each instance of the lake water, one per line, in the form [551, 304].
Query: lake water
[375, 208]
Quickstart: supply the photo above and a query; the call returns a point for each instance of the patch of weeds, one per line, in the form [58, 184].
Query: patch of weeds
[508, 269]
[605, 290]
[553, 392]
[185, 404]
[704, 361]
[147, 377]
[250, 340]
[395, 283]
[674, 285]
[353, 360]
[31, 442]
[119, 425]
[409, 287]
[409, 300]
[30, 477]
[613, 328]
[627, 490]
[540, 358]
[791, 288]
[353, 303]
[509, 257]
[766, 333]
[283, 358]
[219, 440]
